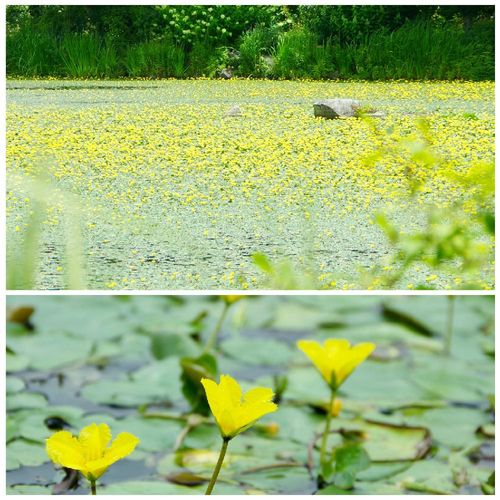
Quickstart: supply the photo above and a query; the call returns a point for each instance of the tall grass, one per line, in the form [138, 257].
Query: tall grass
[31, 53]
[417, 50]
[155, 59]
[88, 56]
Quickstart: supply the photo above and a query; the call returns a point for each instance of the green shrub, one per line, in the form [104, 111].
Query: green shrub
[198, 59]
[219, 24]
[300, 56]
[255, 45]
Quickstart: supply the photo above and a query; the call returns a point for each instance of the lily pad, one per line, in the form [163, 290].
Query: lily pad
[40, 350]
[22, 452]
[14, 384]
[388, 443]
[16, 362]
[24, 400]
[261, 352]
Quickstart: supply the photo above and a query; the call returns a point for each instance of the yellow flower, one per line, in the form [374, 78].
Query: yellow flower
[336, 359]
[233, 411]
[231, 299]
[89, 452]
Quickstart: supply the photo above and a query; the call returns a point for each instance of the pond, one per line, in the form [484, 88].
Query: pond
[150, 185]
[424, 416]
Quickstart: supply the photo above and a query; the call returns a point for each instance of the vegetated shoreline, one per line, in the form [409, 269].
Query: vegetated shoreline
[24, 78]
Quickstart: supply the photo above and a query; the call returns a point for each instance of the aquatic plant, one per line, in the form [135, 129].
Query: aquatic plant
[91, 452]
[336, 359]
[234, 411]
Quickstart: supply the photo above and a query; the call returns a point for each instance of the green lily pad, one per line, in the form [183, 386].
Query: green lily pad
[24, 400]
[14, 384]
[155, 434]
[453, 380]
[280, 480]
[147, 488]
[42, 354]
[386, 442]
[257, 351]
[453, 427]
[298, 317]
[32, 424]
[16, 362]
[156, 383]
[171, 344]
[29, 489]
[22, 452]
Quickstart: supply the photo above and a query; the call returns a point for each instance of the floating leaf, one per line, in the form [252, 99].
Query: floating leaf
[186, 478]
[26, 453]
[166, 345]
[42, 354]
[26, 400]
[14, 384]
[261, 352]
[16, 362]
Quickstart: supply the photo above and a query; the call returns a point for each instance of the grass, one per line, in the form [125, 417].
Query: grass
[442, 54]
[32, 54]
[417, 50]
[156, 59]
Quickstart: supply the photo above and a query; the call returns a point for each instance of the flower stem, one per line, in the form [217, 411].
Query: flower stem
[222, 454]
[449, 324]
[93, 488]
[327, 429]
[213, 337]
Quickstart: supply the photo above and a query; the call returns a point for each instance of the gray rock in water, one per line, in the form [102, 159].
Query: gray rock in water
[234, 111]
[336, 108]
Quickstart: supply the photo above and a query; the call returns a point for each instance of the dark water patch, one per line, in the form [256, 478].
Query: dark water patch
[30, 475]
[82, 87]
[43, 475]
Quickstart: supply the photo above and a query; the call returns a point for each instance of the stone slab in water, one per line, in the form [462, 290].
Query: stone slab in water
[336, 108]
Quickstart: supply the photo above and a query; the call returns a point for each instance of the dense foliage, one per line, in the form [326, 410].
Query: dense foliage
[321, 42]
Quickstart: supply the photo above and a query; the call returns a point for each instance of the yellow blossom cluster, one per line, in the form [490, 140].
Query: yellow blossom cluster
[176, 194]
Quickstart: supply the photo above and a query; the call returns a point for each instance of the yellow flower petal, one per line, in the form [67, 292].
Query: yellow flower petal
[358, 354]
[233, 411]
[228, 386]
[89, 453]
[259, 395]
[94, 439]
[64, 449]
[123, 445]
[316, 353]
[336, 359]
[213, 398]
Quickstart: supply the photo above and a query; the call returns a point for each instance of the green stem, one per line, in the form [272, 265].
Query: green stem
[449, 324]
[93, 488]
[327, 429]
[217, 329]
[222, 454]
